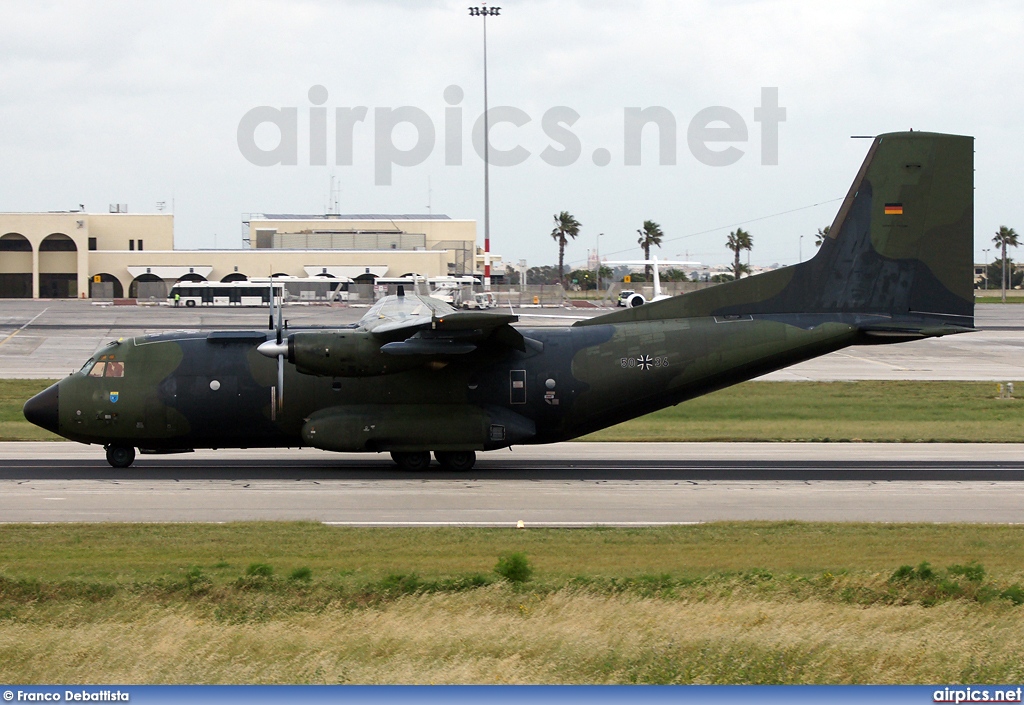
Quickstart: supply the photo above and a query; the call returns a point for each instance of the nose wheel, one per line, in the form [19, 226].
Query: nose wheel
[120, 456]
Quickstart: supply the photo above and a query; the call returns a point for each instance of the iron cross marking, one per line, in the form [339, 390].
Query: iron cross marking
[645, 362]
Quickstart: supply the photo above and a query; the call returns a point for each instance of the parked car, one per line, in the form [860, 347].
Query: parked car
[624, 297]
[481, 301]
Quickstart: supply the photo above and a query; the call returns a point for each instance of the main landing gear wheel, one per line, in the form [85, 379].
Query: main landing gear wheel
[459, 461]
[415, 461]
[120, 456]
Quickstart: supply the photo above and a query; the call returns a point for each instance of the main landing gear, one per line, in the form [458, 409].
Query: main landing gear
[120, 456]
[459, 461]
[417, 461]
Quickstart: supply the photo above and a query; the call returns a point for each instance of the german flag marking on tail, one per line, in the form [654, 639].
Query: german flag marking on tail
[894, 209]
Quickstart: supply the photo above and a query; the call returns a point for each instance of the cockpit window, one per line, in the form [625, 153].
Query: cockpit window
[86, 367]
[115, 369]
[97, 369]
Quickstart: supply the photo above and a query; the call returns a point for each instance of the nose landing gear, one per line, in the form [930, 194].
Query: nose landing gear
[120, 456]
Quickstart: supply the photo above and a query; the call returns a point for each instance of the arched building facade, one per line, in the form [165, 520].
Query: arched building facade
[76, 254]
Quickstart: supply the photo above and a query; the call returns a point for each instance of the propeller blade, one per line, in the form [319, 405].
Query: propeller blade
[270, 326]
[280, 382]
[280, 316]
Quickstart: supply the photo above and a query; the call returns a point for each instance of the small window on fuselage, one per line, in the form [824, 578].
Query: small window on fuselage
[115, 369]
[97, 369]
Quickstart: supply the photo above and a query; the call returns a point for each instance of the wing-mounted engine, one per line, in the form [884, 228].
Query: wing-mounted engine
[390, 347]
[635, 300]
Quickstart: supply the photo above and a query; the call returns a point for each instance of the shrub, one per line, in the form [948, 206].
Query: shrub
[261, 570]
[905, 572]
[196, 581]
[972, 571]
[304, 574]
[514, 567]
[1014, 593]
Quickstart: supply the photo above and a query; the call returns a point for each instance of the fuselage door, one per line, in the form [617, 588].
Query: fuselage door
[517, 386]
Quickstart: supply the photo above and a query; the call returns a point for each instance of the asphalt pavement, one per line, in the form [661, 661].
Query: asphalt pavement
[568, 484]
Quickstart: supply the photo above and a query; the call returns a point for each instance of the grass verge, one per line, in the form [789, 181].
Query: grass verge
[880, 411]
[13, 395]
[715, 603]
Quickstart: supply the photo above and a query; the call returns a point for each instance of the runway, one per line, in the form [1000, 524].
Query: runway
[570, 484]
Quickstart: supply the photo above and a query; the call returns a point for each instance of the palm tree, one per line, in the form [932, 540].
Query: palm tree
[820, 236]
[739, 240]
[1005, 237]
[650, 235]
[565, 226]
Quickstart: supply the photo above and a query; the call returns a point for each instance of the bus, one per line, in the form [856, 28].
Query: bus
[240, 293]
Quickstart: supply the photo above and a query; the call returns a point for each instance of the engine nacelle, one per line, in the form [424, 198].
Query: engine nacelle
[344, 353]
[635, 300]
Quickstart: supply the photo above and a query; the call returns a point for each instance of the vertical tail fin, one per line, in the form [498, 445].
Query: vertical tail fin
[903, 240]
[901, 246]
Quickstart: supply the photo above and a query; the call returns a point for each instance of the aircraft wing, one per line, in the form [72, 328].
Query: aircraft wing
[451, 333]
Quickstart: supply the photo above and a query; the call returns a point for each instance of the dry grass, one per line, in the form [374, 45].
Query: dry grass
[496, 635]
[113, 553]
[718, 603]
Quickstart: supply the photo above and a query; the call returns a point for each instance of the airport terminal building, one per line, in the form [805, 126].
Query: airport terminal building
[74, 254]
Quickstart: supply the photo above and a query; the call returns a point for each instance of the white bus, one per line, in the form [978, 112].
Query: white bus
[256, 292]
[241, 293]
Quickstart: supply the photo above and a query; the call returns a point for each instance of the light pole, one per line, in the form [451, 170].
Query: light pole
[597, 257]
[484, 11]
[800, 257]
[986, 250]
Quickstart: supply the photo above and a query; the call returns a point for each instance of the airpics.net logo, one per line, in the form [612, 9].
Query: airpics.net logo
[715, 136]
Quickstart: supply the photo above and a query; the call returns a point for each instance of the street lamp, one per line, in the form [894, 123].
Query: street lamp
[484, 11]
[597, 256]
[986, 250]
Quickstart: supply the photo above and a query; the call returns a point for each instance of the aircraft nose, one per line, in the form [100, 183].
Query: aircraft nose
[42, 409]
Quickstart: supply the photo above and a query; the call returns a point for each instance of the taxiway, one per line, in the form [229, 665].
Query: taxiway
[569, 484]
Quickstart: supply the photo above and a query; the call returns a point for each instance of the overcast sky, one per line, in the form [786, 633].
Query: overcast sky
[137, 103]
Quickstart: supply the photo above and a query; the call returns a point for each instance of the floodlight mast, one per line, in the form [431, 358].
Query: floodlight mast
[484, 11]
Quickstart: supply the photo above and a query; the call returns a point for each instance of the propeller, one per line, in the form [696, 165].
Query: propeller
[278, 349]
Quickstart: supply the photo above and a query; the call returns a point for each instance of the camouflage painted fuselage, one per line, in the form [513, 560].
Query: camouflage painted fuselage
[203, 391]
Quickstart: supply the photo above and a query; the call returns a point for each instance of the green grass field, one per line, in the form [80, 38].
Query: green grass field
[835, 411]
[1011, 298]
[761, 411]
[715, 603]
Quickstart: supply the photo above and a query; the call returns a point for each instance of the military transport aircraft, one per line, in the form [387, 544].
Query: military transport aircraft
[414, 376]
